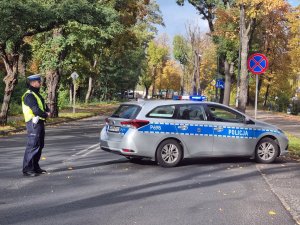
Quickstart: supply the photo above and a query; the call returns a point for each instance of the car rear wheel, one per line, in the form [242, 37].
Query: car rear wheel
[266, 151]
[169, 153]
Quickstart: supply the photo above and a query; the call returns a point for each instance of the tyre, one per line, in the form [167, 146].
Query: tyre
[266, 151]
[169, 153]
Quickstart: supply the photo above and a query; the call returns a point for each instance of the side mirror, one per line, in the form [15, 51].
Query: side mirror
[249, 121]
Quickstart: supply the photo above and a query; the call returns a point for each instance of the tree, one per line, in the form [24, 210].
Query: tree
[171, 76]
[23, 19]
[181, 52]
[206, 8]
[251, 11]
[227, 39]
[293, 43]
[158, 54]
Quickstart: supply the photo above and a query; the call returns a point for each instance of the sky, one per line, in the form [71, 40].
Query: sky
[176, 17]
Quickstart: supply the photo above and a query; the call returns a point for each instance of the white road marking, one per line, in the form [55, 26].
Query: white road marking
[85, 150]
[83, 153]
[93, 150]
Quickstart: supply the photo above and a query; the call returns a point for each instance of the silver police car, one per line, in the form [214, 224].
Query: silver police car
[168, 131]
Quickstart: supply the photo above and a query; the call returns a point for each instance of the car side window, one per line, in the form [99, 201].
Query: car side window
[165, 111]
[191, 112]
[222, 114]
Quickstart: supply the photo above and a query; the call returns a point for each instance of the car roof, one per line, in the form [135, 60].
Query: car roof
[166, 102]
[154, 103]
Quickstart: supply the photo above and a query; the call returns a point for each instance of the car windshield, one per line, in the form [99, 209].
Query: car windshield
[126, 111]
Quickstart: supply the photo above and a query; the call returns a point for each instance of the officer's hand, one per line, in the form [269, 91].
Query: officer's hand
[49, 114]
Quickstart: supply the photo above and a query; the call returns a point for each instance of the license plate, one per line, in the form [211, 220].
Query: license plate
[114, 129]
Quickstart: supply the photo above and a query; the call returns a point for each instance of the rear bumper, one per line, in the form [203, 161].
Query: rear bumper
[115, 151]
[119, 152]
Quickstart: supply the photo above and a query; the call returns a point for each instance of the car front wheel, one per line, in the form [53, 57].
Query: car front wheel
[169, 153]
[266, 151]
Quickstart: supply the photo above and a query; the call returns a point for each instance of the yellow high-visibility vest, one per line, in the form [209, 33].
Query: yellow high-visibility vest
[28, 114]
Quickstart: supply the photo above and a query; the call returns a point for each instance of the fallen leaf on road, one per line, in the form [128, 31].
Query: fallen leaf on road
[272, 213]
[43, 158]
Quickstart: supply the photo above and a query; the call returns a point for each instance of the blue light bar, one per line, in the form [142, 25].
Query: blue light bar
[199, 98]
[191, 97]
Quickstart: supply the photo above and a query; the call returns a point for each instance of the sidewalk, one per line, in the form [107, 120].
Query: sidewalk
[287, 123]
[283, 175]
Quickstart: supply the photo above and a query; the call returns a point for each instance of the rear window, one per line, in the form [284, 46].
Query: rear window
[127, 111]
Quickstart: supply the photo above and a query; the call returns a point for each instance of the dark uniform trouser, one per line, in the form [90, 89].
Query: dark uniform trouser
[35, 144]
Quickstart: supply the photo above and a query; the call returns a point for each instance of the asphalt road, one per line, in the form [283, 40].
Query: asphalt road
[88, 186]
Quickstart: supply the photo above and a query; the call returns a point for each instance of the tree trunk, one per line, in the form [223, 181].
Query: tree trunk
[153, 81]
[195, 73]
[229, 69]
[10, 80]
[91, 84]
[147, 92]
[89, 91]
[53, 78]
[245, 31]
[267, 93]
[182, 86]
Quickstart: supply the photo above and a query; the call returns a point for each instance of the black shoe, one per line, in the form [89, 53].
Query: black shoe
[30, 174]
[40, 171]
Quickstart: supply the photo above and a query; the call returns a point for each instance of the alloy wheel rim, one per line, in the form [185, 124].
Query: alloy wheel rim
[266, 151]
[170, 153]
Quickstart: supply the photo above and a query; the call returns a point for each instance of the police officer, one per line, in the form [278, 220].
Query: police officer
[35, 112]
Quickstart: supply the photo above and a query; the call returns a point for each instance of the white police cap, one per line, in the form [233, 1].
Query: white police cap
[34, 77]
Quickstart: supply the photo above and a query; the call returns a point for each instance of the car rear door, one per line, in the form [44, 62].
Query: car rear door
[232, 136]
[193, 128]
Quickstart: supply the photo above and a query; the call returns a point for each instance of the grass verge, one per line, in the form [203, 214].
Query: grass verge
[294, 145]
[65, 115]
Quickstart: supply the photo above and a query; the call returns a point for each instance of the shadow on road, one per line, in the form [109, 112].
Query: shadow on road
[147, 190]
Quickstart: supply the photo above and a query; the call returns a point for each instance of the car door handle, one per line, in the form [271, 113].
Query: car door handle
[219, 129]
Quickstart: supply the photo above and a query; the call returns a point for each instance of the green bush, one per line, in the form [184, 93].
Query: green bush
[63, 99]
[283, 102]
[15, 109]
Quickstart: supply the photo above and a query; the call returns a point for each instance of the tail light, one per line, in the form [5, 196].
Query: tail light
[135, 123]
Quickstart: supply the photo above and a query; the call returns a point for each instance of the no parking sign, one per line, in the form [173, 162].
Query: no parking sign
[257, 64]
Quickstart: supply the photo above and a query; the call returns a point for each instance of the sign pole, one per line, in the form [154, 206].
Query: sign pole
[257, 64]
[74, 76]
[74, 96]
[256, 94]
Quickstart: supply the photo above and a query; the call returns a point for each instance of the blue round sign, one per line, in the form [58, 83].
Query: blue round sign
[258, 63]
